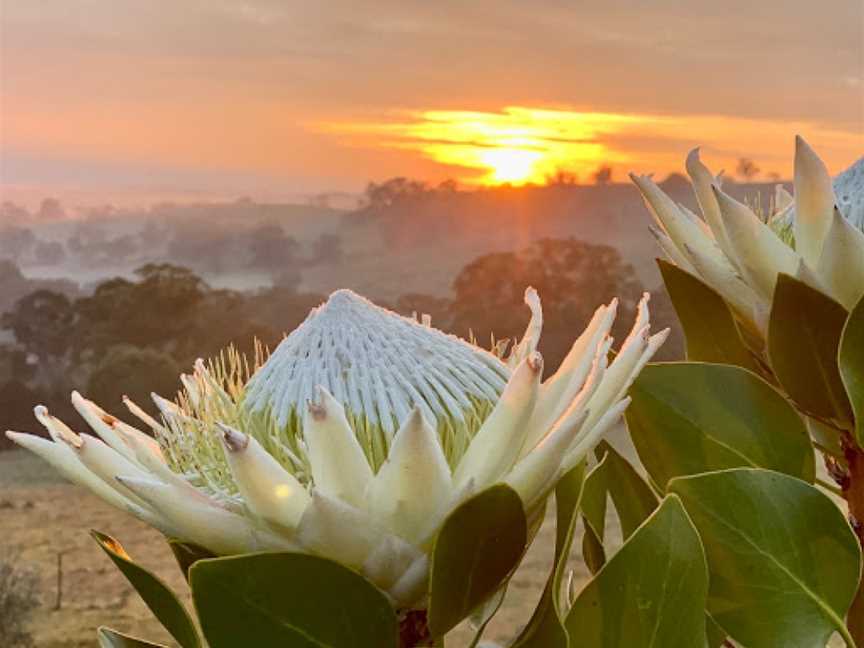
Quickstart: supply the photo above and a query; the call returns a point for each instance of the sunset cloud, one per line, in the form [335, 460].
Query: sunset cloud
[243, 88]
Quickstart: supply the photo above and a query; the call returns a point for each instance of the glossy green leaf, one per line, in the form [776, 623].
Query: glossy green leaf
[631, 495]
[109, 638]
[852, 365]
[715, 633]
[289, 600]
[187, 554]
[477, 548]
[692, 417]
[593, 552]
[156, 594]
[784, 562]
[593, 506]
[546, 627]
[709, 327]
[651, 593]
[803, 340]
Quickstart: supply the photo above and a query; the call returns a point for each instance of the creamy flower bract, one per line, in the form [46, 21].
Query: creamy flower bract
[355, 438]
[815, 236]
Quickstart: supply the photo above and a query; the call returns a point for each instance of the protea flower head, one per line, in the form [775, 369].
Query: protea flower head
[355, 439]
[815, 236]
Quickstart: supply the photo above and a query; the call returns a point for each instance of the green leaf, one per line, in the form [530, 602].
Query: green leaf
[784, 562]
[716, 636]
[709, 327]
[546, 628]
[691, 417]
[852, 365]
[632, 496]
[651, 593]
[109, 638]
[156, 594]
[187, 554]
[803, 340]
[289, 600]
[593, 552]
[477, 548]
[593, 506]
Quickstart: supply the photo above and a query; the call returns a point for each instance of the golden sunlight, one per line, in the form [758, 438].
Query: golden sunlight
[516, 146]
[521, 145]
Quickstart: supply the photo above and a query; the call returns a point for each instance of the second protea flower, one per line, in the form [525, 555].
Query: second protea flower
[355, 439]
[814, 236]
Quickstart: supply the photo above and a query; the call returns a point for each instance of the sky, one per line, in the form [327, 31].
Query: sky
[132, 101]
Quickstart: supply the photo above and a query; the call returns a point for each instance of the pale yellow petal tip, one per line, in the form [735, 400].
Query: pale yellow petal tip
[14, 436]
[317, 408]
[233, 439]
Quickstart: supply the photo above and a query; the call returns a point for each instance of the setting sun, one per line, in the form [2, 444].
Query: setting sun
[529, 145]
[510, 165]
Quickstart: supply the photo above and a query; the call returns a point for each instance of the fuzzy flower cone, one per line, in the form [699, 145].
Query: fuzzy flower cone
[815, 236]
[355, 439]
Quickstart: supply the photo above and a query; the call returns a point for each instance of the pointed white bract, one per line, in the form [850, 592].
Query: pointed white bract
[814, 235]
[356, 438]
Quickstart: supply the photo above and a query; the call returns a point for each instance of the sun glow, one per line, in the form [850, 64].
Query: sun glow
[523, 145]
[514, 146]
[510, 165]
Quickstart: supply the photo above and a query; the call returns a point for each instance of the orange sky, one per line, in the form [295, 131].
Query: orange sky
[135, 101]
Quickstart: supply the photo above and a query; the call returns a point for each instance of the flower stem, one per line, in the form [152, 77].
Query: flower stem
[853, 492]
[414, 630]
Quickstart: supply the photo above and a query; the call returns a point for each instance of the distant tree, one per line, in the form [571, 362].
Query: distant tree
[281, 310]
[270, 248]
[133, 372]
[205, 246]
[747, 169]
[43, 323]
[562, 178]
[392, 191]
[327, 250]
[603, 175]
[51, 209]
[448, 186]
[439, 309]
[157, 311]
[572, 277]
[16, 403]
[49, 253]
[11, 212]
[16, 242]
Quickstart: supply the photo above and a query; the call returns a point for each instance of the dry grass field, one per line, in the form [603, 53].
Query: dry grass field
[43, 516]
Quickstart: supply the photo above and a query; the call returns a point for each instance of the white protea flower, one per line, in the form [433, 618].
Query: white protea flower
[815, 235]
[355, 439]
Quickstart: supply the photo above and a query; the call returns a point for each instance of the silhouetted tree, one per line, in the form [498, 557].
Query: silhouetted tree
[747, 169]
[43, 324]
[133, 372]
[602, 175]
[572, 277]
[394, 190]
